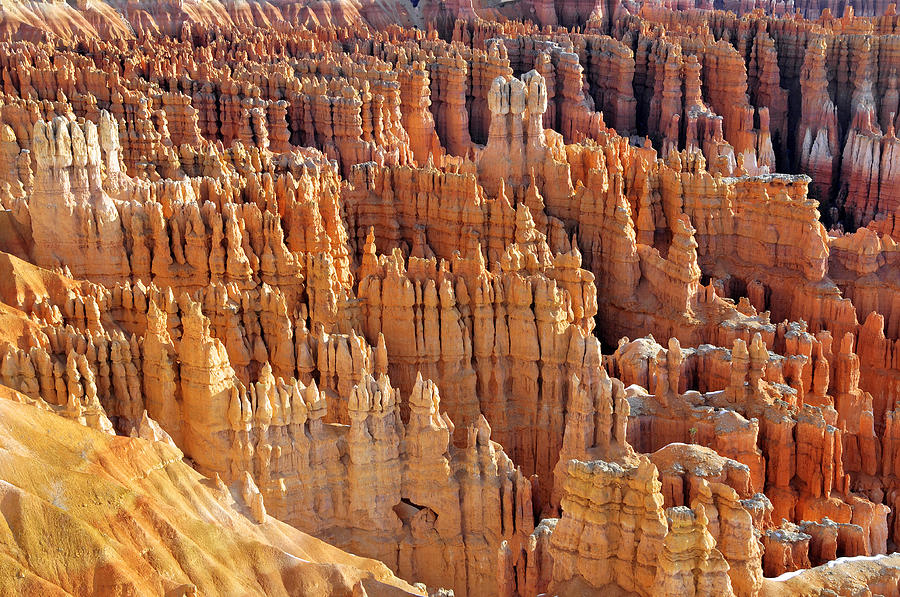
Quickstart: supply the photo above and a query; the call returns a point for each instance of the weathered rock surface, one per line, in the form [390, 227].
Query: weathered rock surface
[134, 518]
[378, 266]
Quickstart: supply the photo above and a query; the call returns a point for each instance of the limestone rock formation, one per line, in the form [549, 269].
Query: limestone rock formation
[73, 220]
[188, 534]
[516, 298]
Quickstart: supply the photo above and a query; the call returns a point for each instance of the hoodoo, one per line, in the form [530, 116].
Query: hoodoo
[490, 299]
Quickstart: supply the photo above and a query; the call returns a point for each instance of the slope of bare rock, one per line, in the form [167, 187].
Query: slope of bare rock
[89, 513]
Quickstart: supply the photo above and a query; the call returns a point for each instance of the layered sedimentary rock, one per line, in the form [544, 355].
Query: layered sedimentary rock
[416, 290]
[646, 550]
[75, 222]
[159, 508]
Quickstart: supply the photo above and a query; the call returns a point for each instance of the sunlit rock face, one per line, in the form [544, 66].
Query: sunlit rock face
[503, 298]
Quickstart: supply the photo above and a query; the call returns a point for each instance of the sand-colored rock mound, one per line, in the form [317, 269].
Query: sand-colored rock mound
[87, 513]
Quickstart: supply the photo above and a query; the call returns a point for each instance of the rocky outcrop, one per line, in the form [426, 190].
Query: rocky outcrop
[629, 558]
[73, 220]
[234, 551]
[366, 276]
[646, 550]
[516, 138]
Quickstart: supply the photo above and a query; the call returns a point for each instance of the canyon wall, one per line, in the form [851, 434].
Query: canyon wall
[598, 298]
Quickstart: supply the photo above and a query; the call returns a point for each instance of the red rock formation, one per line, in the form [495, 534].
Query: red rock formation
[648, 552]
[357, 271]
[817, 134]
[417, 119]
[74, 221]
[449, 75]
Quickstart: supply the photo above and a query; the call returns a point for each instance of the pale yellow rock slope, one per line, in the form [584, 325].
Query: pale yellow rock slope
[85, 513]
